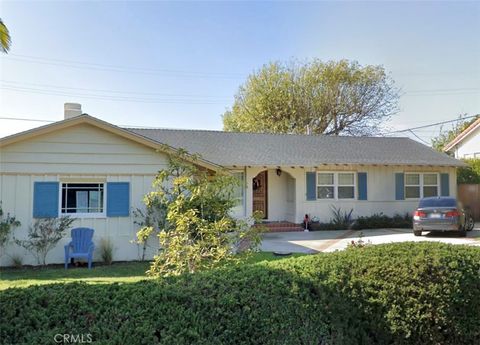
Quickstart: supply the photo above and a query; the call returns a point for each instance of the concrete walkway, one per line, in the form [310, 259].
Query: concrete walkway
[328, 241]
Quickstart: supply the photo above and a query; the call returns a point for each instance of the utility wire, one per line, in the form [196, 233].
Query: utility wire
[113, 68]
[19, 84]
[431, 125]
[24, 119]
[416, 136]
[108, 97]
[410, 130]
[16, 84]
[188, 74]
[51, 121]
[443, 90]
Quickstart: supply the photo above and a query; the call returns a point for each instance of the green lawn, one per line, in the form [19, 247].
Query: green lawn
[117, 273]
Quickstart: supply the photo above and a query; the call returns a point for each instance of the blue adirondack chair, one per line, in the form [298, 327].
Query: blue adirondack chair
[81, 246]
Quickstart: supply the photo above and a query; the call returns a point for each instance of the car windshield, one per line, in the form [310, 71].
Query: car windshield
[438, 202]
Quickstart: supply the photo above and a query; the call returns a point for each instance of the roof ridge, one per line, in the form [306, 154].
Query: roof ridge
[257, 133]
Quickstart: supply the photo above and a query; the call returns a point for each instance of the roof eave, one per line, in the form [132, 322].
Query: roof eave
[87, 119]
[296, 165]
[464, 134]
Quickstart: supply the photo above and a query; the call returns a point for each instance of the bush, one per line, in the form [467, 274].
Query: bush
[403, 293]
[341, 219]
[379, 220]
[317, 226]
[471, 173]
[189, 210]
[44, 235]
[7, 224]
[106, 250]
[375, 221]
[17, 260]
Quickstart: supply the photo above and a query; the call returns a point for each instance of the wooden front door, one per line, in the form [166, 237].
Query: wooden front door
[260, 193]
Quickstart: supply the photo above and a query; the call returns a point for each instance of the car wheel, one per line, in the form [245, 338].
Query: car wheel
[470, 224]
[417, 233]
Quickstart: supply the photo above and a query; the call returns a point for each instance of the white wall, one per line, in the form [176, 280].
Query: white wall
[80, 153]
[380, 190]
[470, 146]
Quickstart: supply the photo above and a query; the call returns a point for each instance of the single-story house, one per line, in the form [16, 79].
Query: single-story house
[467, 143]
[97, 173]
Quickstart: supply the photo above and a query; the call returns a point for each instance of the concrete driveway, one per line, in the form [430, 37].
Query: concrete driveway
[328, 241]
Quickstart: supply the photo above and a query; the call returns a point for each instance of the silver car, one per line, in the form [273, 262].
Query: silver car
[441, 214]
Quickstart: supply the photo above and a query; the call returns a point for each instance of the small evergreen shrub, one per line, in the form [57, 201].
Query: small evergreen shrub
[379, 221]
[375, 221]
[402, 293]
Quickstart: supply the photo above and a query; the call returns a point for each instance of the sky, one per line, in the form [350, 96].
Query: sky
[179, 64]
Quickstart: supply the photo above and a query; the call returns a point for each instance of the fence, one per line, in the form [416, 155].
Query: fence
[469, 195]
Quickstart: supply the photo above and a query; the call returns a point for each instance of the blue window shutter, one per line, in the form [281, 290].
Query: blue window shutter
[45, 199]
[118, 199]
[362, 185]
[399, 186]
[311, 180]
[444, 185]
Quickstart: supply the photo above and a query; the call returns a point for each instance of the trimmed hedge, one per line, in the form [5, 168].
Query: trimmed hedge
[404, 293]
[379, 221]
[375, 221]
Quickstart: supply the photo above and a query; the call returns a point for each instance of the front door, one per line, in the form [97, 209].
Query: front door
[260, 193]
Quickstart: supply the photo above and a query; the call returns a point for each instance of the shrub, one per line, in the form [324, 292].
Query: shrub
[7, 224]
[317, 226]
[403, 293]
[44, 235]
[379, 220]
[106, 251]
[198, 231]
[17, 260]
[375, 221]
[471, 173]
[341, 219]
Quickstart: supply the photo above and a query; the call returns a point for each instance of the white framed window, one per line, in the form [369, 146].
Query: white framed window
[326, 186]
[336, 185]
[412, 186]
[82, 199]
[430, 185]
[421, 185]
[346, 185]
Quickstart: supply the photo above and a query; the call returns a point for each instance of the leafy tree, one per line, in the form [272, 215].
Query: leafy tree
[5, 40]
[335, 97]
[7, 224]
[446, 136]
[471, 173]
[44, 235]
[197, 231]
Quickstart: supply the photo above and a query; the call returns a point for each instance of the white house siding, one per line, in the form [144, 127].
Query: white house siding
[82, 153]
[380, 191]
[470, 146]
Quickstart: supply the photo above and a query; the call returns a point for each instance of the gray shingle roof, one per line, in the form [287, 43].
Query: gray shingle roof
[255, 149]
